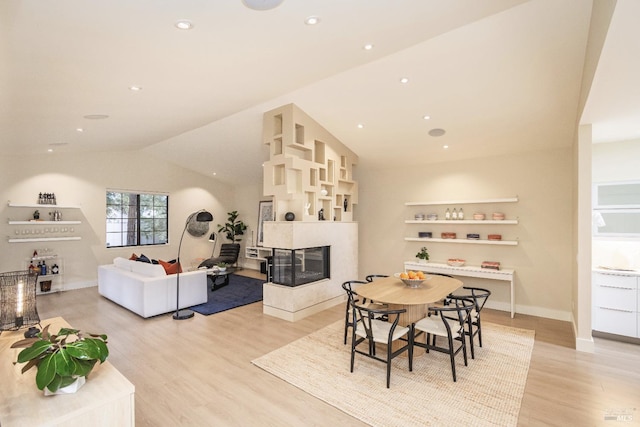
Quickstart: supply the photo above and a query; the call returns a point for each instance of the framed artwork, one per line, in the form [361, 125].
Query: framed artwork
[265, 213]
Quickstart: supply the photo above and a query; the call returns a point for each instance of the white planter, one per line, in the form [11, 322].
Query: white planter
[421, 261]
[70, 389]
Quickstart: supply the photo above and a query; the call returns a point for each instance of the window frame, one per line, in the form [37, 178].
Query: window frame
[140, 217]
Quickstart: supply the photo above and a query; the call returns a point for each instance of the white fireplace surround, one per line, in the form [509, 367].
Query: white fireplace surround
[294, 303]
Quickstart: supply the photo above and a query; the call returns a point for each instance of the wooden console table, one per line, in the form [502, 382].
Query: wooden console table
[107, 398]
[468, 271]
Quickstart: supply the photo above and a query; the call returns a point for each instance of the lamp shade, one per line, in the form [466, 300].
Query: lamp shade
[204, 216]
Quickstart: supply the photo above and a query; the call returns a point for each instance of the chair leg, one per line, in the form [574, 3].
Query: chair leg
[453, 360]
[473, 354]
[479, 332]
[388, 366]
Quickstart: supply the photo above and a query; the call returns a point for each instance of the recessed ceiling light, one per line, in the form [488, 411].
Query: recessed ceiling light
[80, 130]
[426, 117]
[262, 4]
[367, 46]
[135, 88]
[50, 150]
[404, 80]
[360, 125]
[184, 24]
[96, 116]
[214, 174]
[437, 132]
[312, 20]
[445, 146]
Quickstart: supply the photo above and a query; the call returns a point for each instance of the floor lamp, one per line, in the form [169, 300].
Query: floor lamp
[201, 216]
[212, 239]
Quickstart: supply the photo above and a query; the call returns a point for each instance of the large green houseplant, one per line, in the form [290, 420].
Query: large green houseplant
[233, 227]
[61, 358]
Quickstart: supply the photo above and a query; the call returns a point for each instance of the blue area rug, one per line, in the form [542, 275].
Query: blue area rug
[240, 291]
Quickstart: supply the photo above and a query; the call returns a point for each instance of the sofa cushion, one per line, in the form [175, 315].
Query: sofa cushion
[170, 267]
[143, 258]
[147, 269]
[123, 263]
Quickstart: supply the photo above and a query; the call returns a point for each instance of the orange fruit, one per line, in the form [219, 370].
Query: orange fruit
[420, 275]
[412, 275]
[404, 276]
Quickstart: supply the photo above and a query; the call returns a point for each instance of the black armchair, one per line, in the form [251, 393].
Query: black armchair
[229, 253]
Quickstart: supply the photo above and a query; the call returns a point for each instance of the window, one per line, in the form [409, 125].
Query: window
[136, 219]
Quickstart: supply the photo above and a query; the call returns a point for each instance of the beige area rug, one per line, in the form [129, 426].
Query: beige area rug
[488, 391]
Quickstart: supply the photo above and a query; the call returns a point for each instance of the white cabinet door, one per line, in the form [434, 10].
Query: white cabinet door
[615, 301]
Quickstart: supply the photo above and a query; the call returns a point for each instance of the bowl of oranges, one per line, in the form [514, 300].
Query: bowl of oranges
[410, 278]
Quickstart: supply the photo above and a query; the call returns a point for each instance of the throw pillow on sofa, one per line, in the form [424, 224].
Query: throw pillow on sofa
[170, 267]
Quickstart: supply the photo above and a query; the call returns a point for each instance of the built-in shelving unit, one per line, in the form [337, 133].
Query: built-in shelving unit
[463, 241]
[59, 233]
[57, 283]
[457, 222]
[464, 202]
[308, 170]
[257, 253]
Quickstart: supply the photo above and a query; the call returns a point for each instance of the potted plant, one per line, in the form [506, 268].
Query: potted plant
[62, 360]
[222, 266]
[423, 255]
[233, 227]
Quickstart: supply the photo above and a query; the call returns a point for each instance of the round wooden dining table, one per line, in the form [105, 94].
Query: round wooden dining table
[397, 295]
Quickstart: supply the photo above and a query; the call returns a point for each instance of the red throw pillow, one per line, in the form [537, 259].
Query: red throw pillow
[170, 268]
[133, 257]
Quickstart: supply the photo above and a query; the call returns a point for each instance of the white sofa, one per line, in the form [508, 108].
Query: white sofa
[146, 289]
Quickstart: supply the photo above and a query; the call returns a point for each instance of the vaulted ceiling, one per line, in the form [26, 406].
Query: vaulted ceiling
[498, 76]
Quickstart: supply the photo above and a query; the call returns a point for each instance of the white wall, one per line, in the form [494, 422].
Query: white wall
[542, 260]
[82, 179]
[616, 161]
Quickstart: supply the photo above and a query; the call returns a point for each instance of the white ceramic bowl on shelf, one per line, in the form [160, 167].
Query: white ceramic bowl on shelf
[455, 262]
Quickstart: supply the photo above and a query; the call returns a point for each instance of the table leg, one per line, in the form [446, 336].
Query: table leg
[412, 315]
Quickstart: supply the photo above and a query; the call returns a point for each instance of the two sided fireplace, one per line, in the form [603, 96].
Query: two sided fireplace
[295, 267]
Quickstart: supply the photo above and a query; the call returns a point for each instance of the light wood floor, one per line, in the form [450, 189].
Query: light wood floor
[198, 372]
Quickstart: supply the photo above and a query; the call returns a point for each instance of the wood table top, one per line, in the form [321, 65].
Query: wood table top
[393, 291]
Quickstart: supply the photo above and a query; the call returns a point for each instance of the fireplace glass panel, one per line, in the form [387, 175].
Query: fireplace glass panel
[295, 267]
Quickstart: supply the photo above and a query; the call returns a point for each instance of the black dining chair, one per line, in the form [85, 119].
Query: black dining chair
[445, 322]
[352, 296]
[479, 297]
[372, 277]
[370, 330]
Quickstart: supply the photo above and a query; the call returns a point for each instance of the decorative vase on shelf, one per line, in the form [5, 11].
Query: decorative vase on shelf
[422, 261]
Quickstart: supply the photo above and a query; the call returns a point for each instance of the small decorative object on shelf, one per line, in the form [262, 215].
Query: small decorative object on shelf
[494, 237]
[491, 265]
[432, 217]
[45, 286]
[448, 235]
[289, 216]
[55, 269]
[447, 214]
[423, 255]
[321, 215]
[478, 216]
[419, 217]
[460, 214]
[324, 192]
[498, 216]
[454, 215]
[455, 262]
[345, 204]
[47, 198]
[473, 236]
[36, 215]
[425, 234]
